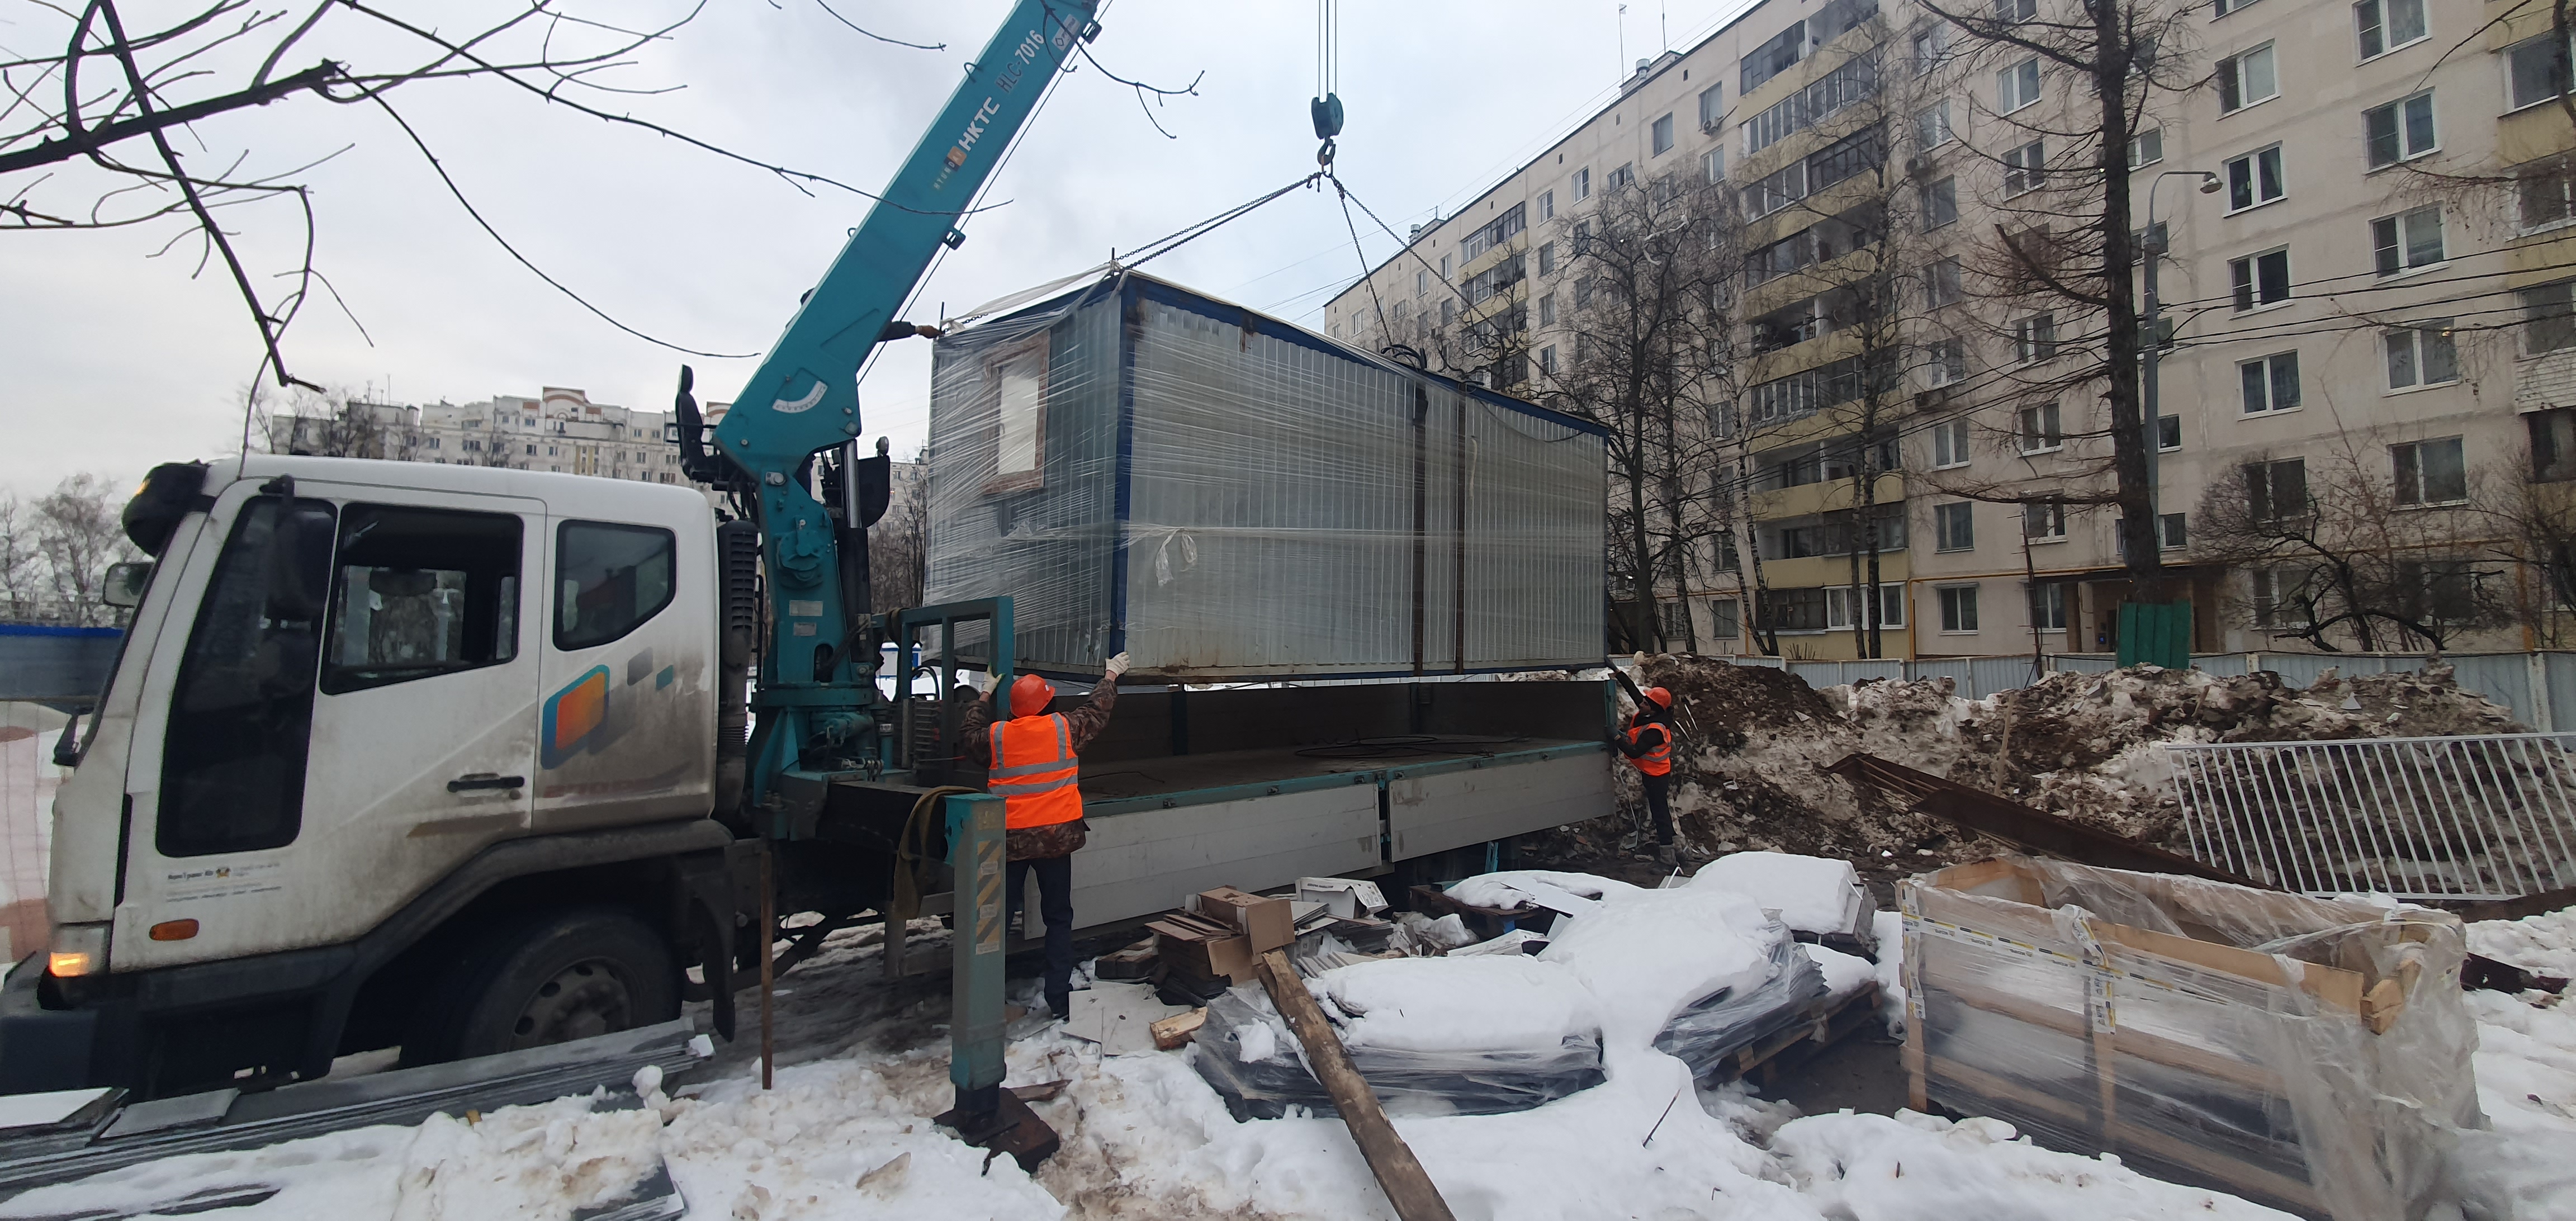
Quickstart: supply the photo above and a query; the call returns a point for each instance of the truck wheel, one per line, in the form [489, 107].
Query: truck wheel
[563, 976]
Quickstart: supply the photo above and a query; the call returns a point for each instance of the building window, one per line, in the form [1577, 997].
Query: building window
[2035, 339]
[1712, 107]
[2044, 522]
[2254, 179]
[2048, 607]
[1623, 176]
[2246, 78]
[2270, 384]
[2553, 444]
[2536, 70]
[2017, 86]
[2016, 10]
[1932, 126]
[1945, 362]
[1954, 527]
[1547, 359]
[2172, 531]
[2407, 240]
[2545, 191]
[1444, 269]
[2399, 131]
[1660, 135]
[1950, 444]
[2025, 168]
[2265, 587]
[1582, 294]
[2548, 318]
[1583, 184]
[1959, 608]
[1842, 600]
[1940, 203]
[1941, 284]
[2260, 279]
[1547, 310]
[2035, 429]
[1931, 46]
[1772, 58]
[2389, 24]
[2168, 432]
[1448, 310]
[2276, 490]
[1421, 280]
[1724, 620]
[2147, 147]
[2422, 354]
[2430, 472]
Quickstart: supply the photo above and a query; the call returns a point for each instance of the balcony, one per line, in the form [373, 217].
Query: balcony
[1824, 570]
[1832, 495]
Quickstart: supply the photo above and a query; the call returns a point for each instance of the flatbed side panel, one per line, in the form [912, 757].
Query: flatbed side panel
[1451, 807]
[1147, 861]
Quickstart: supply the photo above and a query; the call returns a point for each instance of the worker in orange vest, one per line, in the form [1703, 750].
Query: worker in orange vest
[1034, 771]
[1648, 742]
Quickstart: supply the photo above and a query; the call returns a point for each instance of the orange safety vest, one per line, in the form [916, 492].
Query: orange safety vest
[1034, 771]
[1656, 762]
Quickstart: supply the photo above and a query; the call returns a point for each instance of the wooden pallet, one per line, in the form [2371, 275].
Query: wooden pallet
[1825, 1023]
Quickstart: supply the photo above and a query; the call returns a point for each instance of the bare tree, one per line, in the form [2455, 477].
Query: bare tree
[2338, 554]
[2077, 79]
[86, 141]
[1652, 272]
[898, 545]
[55, 550]
[332, 424]
[2530, 508]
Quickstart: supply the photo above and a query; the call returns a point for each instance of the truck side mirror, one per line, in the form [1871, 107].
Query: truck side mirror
[123, 586]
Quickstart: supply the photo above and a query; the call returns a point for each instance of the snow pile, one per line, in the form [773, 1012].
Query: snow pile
[1811, 894]
[1649, 953]
[1469, 1004]
[1520, 888]
[2544, 943]
[1752, 739]
[1918, 1166]
[2523, 1168]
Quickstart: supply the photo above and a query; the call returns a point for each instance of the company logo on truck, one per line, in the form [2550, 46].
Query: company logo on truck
[574, 716]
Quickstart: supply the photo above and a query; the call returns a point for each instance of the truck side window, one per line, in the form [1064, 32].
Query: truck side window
[232, 770]
[609, 579]
[420, 592]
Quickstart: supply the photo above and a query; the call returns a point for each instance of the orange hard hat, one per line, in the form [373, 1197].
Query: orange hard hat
[1662, 698]
[1030, 695]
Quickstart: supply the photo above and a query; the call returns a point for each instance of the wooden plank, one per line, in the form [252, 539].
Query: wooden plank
[2144, 1046]
[1177, 1029]
[1408, 1187]
[2248, 1178]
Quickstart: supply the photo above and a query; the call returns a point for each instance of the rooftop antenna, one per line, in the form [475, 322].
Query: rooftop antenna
[1623, 40]
[1664, 23]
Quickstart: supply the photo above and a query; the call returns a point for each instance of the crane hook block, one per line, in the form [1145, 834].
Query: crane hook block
[1327, 112]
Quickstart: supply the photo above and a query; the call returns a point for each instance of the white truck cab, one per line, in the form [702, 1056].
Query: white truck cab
[346, 680]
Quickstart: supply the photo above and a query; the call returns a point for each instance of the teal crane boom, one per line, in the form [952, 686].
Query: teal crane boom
[815, 695]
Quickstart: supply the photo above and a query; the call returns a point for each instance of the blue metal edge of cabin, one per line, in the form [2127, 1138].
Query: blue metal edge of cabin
[1377, 777]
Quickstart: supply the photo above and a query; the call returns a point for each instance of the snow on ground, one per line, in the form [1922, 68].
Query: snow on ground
[847, 1134]
[2523, 1168]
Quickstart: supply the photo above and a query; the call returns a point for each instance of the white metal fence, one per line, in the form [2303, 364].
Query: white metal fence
[2473, 817]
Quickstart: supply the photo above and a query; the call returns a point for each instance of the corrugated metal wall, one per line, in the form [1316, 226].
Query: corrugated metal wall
[1259, 487]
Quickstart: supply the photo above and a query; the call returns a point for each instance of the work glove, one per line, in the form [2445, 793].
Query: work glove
[1117, 666]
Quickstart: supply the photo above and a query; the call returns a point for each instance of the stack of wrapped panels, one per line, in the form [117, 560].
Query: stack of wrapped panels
[2307, 1054]
[1223, 495]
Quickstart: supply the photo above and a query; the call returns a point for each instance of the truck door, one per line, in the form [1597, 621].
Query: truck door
[627, 726]
[330, 754]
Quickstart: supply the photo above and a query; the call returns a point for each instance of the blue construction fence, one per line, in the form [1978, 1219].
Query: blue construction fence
[2539, 686]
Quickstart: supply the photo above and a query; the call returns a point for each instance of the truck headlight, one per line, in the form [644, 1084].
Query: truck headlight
[76, 949]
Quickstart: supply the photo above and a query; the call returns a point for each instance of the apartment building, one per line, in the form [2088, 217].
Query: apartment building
[2366, 212]
[559, 430]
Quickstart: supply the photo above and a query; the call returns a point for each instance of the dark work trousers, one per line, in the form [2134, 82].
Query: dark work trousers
[1659, 803]
[1055, 907]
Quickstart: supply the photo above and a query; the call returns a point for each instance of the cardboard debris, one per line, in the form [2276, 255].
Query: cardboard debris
[1201, 951]
[1265, 920]
[1344, 897]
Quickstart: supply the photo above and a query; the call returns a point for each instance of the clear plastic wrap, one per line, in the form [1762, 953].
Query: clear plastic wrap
[1222, 495]
[1716, 1026]
[2307, 1054]
[1275, 1077]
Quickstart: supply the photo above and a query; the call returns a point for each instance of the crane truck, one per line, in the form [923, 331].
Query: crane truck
[466, 759]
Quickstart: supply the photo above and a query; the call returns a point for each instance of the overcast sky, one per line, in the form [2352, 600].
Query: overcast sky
[115, 359]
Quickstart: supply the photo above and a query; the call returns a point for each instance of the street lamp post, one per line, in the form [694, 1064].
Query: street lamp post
[2151, 406]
